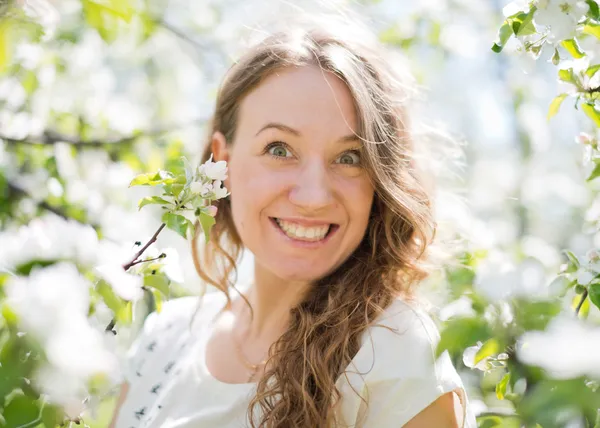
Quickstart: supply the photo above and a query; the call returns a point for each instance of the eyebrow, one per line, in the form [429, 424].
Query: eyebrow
[346, 139]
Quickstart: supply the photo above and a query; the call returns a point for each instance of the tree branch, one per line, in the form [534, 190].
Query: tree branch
[13, 188]
[50, 137]
[183, 36]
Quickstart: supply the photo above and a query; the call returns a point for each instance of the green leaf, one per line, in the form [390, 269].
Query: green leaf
[152, 179]
[573, 261]
[592, 112]
[556, 57]
[158, 299]
[152, 200]
[114, 302]
[594, 292]
[6, 43]
[501, 386]
[149, 26]
[490, 421]
[177, 223]
[489, 348]
[125, 314]
[592, 70]
[597, 422]
[207, 222]
[523, 25]
[555, 105]
[461, 333]
[21, 411]
[158, 281]
[52, 415]
[504, 35]
[593, 11]
[566, 75]
[573, 48]
[29, 82]
[593, 29]
[535, 315]
[584, 310]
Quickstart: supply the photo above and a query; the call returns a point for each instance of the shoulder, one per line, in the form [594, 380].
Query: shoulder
[166, 330]
[401, 343]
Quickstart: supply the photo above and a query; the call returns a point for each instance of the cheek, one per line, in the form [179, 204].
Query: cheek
[252, 190]
[360, 195]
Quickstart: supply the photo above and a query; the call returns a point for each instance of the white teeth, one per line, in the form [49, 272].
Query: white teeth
[294, 230]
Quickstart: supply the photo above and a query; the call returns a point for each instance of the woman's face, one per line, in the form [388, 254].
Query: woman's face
[300, 197]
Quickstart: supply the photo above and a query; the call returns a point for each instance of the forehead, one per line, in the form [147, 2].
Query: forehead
[311, 100]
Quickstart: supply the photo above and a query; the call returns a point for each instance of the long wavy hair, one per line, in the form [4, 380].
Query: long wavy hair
[298, 387]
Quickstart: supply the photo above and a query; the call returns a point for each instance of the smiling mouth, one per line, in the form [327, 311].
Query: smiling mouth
[304, 233]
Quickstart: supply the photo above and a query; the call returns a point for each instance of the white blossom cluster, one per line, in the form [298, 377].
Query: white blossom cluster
[52, 305]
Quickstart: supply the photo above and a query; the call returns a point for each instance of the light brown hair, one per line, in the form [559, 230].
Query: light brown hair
[298, 387]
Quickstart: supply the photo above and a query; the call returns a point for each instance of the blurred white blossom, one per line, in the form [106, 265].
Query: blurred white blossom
[48, 238]
[469, 358]
[560, 16]
[126, 285]
[52, 304]
[498, 277]
[568, 348]
[515, 7]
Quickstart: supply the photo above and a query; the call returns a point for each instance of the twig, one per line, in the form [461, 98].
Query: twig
[162, 256]
[133, 261]
[580, 304]
[181, 34]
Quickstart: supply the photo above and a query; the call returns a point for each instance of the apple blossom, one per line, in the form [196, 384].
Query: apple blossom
[214, 170]
[560, 16]
[568, 348]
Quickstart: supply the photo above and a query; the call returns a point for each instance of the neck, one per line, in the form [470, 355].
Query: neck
[272, 298]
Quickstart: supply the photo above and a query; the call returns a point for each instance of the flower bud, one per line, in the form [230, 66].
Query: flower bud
[211, 210]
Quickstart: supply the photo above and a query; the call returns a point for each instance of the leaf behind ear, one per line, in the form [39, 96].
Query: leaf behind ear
[207, 222]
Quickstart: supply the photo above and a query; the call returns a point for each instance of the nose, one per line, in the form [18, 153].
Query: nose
[313, 189]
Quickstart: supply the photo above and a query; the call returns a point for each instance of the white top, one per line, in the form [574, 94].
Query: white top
[171, 387]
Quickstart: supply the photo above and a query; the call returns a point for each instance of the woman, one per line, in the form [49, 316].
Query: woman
[325, 194]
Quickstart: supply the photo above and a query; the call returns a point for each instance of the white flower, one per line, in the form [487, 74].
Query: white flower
[48, 297]
[52, 306]
[560, 16]
[214, 170]
[498, 277]
[463, 306]
[172, 265]
[584, 276]
[49, 238]
[515, 6]
[220, 192]
[126, 285]
[568, 348]
[203, 189]
[469, 358]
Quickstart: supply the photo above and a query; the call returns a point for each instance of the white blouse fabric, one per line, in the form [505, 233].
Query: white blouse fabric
[170, 386]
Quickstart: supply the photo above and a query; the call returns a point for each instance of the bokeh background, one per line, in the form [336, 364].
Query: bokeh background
[97, 92]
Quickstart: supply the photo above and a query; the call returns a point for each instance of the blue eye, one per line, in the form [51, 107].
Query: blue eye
[278, 150]
[351, 157]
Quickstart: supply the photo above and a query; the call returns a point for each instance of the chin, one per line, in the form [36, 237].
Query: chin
[299, 273]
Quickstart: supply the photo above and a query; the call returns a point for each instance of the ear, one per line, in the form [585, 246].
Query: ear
[219, 147]
[220, 152]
